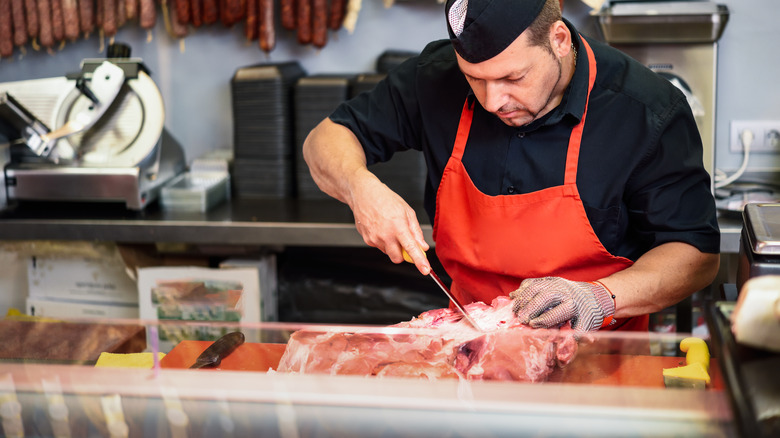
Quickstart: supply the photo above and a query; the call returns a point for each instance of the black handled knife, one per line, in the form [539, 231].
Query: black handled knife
[220, 349]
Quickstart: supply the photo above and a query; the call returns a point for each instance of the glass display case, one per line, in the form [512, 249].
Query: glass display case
[108, 378]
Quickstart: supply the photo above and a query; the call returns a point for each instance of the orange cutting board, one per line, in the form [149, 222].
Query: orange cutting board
[594, 369]
[249, 356]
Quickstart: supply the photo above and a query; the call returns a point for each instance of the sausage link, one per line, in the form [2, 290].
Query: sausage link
[175, 28]
[303, 15]
[131, 9]
[232, 11]
[336, 16]
[20, 27]
[319, 25]
[267, 32]
[6, 30]
[250, 25]
[109, 17]
[57, 29]
[147, 16]
[45, 38]
[210, 11]
[196, 12]
[87, 16]
[121, 13]
[99, 18]
[288, 13]
[182, 11]
[33, 25]
[70, 19]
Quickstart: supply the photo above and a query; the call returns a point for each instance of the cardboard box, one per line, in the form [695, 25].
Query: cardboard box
[197, 294]
[80, 279]
[51, 308]
[267, 278]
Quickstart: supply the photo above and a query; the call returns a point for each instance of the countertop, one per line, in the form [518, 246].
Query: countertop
[243, 221]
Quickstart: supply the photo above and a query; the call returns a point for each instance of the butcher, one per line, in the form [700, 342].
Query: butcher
[560, 171]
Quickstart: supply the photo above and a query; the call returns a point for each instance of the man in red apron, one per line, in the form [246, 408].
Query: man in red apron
[534, 241]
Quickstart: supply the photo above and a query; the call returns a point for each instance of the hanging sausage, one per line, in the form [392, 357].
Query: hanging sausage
[19, 25]
[319, 23]
[251, 24]
[267, 32]
[86, 16]
[70, 19]
[6, 30]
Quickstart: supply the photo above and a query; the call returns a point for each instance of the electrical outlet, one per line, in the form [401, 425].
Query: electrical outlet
[766, 136]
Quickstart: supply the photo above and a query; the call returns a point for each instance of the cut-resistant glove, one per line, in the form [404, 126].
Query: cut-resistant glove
[551, 301]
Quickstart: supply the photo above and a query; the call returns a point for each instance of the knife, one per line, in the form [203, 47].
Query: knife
[220, 349]
[447, 292]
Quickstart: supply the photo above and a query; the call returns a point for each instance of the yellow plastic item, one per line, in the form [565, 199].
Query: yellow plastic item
[408, 258]
[695, 374]
[129, 360]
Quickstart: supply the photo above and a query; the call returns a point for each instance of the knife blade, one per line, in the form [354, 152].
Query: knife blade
[454, 300]
[220, 349]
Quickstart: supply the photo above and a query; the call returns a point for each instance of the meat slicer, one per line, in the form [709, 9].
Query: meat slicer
[95, 135]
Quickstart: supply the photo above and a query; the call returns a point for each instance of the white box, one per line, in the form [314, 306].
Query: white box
[51, 308]
[267, 278]
[80, 279]
[197, 294]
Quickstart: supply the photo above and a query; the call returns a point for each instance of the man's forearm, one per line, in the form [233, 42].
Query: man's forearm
[662, 277]
[335, 158]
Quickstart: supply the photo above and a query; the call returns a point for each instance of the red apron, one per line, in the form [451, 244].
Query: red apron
[489, 244]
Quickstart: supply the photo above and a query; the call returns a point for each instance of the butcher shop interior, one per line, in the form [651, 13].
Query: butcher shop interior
[171, 266]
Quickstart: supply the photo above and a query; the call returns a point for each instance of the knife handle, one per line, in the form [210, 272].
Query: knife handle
[408, 258]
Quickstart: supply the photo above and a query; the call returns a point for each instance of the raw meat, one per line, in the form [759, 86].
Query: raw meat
[437, 344]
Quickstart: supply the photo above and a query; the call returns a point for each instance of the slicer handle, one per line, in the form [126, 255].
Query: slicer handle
[81, 84]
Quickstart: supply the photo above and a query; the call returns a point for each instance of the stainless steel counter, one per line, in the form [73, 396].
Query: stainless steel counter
[238, 222]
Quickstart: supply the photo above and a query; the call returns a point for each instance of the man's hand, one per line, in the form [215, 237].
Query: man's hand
[387, 222]
[550, 301]
[338, 166]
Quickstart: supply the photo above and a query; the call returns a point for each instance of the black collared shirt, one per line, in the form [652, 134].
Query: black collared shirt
[640, 171]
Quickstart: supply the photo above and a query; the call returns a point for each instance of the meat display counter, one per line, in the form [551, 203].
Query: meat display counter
[299, 380]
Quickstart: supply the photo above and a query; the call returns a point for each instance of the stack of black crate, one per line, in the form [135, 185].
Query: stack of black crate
[263, 118]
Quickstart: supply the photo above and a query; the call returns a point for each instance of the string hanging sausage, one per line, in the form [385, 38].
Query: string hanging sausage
[70, 19]
[182, 11]
[57, 29]
[45, 38]
[31, 11]
[232, 12]
[131, 9]
[121, 13]
[196, 12]
[250, 24]
[267, 33]
[87, 16]
[109, 17]
[172, 24]
[303, 20]
[336, 15]
[6, 30]
[147, 14]
[20, 27]
[319, 25]
[288, 13]
[210, 11]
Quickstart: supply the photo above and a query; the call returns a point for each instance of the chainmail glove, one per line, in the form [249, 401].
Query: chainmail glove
[550, 301]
